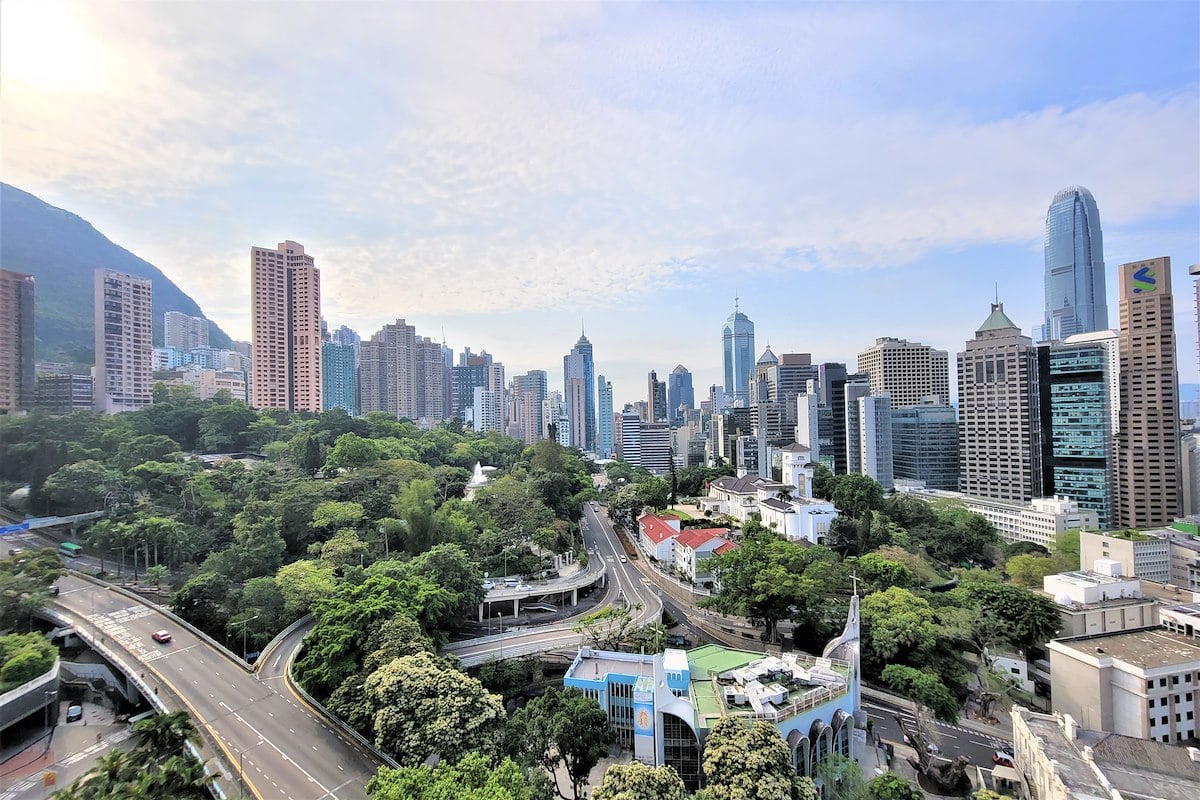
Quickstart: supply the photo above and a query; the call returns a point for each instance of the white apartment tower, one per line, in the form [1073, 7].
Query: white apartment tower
[285, 311]
[124, 342]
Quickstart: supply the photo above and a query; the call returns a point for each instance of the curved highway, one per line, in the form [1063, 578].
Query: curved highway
[625, 583]
[284, 749]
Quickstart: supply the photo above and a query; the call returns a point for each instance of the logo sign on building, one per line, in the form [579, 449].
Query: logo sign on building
[1144, 281]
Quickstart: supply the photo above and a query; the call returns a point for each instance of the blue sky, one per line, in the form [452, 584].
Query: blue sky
[506, 172]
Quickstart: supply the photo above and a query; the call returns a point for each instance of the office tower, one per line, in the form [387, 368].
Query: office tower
[470, 373]
[655, 447]
[183, 332]
[1148, 455]
[124, 341]
[579, 380]
[831, 383]
[339, 377]
[1076, 298]
[485, 411]
[1076, 406]
[18, 389]
[529, 395]
[906, 371]
[387, 371]
[857, 386]
[737, 347]
[285, 312]
[656, 398]
[789, 379]
[1189, 461]
[999, 415]
[681, 397]
[808, 430]
[875, 438]
[631, 439]
[606, 445]
[925, 445]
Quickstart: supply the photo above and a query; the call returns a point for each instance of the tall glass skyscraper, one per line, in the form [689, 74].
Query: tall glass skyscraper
[606, 446]
[680, 394]
[1075, 394]
[578, 366]
[737, 344]
[1076, 299]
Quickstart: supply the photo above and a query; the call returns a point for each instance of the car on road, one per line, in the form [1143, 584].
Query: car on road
[74, 713]
[16, 551]
[524, 587]
[624, 560]
[162, 637]
[489, 585]
[1002, 759]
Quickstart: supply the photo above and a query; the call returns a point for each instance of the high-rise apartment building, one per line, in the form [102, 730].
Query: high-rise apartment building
[656, 398]
[429, 386]
[999, 413]
[737, 351]
[124, 341]
[925, 445]
[1076, 297]
[183, 332]
[907, 371]
[529, 395]
[388, 371]
[606, 443]
[681, 396]
[1148, 476]
[857, 386]
[18, 390]
[579, 378]
[339, 377]
[285, 310]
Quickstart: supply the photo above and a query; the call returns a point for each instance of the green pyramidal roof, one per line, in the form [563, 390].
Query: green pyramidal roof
[997, 320]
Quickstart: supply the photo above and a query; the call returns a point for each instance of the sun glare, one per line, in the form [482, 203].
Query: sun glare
[43, 44]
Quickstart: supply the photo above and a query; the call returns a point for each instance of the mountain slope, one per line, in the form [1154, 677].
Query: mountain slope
[62, 251]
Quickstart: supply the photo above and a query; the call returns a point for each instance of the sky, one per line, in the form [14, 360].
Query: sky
[512, 173]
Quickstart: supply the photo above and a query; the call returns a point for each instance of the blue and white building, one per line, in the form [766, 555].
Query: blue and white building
[663, 706]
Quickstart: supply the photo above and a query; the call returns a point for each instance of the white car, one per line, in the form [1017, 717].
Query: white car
[524, 587]
[489, 585]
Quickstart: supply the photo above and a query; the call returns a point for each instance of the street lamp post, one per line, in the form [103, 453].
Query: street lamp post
[241, 771]
[500, 630]
[243, 624]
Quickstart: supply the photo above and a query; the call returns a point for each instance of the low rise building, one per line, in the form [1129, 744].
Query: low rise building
[65, 394]
[695, 546]
[1138, 552]
[1092, 602]
[663, 706]
[656, 536]
[1037, 521]
[1140, 683]
[1055, 759]
[740, 497]
[799, 519]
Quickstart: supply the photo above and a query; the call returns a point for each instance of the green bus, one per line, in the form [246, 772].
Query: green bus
[70, 549]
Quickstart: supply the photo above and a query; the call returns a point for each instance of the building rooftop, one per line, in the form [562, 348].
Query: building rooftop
[656, 529]
[1137, 768]
[1085, 577]
[595, 664]
[997, 320]
[1148, 648]
[696, 537]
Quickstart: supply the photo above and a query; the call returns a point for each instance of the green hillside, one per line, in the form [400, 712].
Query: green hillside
[63, 251]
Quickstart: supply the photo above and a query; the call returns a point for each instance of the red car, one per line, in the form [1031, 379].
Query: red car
[162, 637]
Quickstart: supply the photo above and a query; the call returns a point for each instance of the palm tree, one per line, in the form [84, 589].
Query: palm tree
[164, 735]
[784, 494]
[116, 767]
[184, 776]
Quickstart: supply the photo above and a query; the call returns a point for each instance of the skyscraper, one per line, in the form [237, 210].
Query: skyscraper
[285, 310]
[925, 445]
[907, 371]
[606, 446]
[339, 377]
[529, 395]
[656, 398]
[470, 373]
[387, 371]
[681, 396]
[580, 397]
[999, 427]
[1076, 298]
[124, 342]
[1148, 444]
[18, 391]
[737, 347]
[183, 332]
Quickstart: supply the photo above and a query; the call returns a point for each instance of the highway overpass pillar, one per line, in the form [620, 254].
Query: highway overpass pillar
[516, 606]
[574, 597]
[480, 617]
